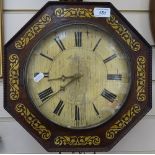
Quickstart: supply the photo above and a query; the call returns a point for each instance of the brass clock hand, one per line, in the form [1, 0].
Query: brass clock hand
[76, 77]
[63, 77]
[62, 88]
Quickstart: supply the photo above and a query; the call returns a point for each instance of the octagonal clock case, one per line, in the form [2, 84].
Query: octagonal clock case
[77, 76]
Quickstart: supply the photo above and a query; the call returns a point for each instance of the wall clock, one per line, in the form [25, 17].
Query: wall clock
[77, 76]
[152, 17]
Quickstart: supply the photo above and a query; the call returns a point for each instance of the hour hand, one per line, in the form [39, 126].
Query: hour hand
[64, 78]
[62, 88]
[75, 78]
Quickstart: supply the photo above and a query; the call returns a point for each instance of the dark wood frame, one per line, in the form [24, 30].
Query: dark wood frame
[18, 104]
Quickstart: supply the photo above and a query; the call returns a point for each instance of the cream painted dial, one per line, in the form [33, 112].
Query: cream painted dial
[78, 76]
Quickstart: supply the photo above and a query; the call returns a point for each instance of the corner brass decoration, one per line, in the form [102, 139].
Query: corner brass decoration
[77, 141]
[33, 121]
[33, 31]
[74, 12]
[141, 78]
[124, 33]
[14, 77]
[123, 122]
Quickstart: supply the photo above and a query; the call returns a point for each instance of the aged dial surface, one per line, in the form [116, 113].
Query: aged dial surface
[78, 76]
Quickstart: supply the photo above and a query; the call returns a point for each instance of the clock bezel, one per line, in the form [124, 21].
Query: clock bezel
[126, 55]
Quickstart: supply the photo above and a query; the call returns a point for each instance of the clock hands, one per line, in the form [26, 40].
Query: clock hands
[63, 88]
[63, 77]
[76, 77]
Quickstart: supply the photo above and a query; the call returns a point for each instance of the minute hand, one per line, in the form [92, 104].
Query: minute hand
[62, 88]
[70, 82]
[63, 77]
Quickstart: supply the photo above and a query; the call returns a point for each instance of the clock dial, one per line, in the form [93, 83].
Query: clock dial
[78, 76]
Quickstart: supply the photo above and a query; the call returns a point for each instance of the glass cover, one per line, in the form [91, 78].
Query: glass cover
[78, 76]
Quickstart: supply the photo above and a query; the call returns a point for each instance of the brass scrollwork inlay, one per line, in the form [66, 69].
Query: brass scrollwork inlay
[33, 31]
[14, 77]
[123, 122]
[141, 78]
[74, 12]
[124, 33]
[77, 140]
[33, 121]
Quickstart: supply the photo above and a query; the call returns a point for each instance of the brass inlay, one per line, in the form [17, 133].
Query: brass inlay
[74, 12]
[33, 31]
[141, 78]
[77, 140]
[14, 77]
[123, 122]
[124, 33]
[33, 121]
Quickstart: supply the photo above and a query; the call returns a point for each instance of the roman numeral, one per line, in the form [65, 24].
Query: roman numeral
[78, 39]
[77, 113]
[59, 108]
[46, 75]
[114, 77]
[96, 45]
[59, 43]
[110, 58]
[96, 110]
[45, 95]
[45, 56]
[108, 95]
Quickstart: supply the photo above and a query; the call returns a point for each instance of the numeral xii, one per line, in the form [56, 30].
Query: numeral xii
[78, 39]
